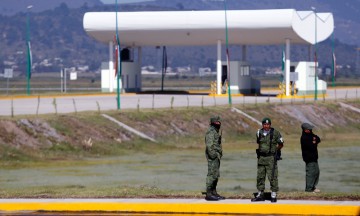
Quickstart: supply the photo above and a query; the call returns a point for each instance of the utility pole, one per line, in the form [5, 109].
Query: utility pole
[61, 79]
[29, 57]
[119, 66]
[333, 61]
[315, 56]
[227, 53]
[357, 64]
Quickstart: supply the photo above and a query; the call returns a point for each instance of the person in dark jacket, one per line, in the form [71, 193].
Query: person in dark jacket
[309, 143]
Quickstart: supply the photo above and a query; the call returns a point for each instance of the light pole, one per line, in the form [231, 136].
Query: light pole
[29, 58]
[333, 60]
[315, 56]
[357, 60]
[118, 69]
[227, 53]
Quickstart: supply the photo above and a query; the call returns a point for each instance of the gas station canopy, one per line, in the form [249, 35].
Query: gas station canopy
[179, 28]
[196, 28]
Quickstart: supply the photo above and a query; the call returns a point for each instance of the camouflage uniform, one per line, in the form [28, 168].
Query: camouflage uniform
[266, 159]
[213, 154]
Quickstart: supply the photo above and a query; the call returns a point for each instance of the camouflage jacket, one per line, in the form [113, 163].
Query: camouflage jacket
[213, 144]
[264, 141]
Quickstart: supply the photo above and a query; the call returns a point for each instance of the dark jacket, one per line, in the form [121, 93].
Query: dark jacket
[308, 148]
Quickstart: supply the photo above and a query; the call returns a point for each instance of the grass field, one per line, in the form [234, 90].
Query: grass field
[184, 171]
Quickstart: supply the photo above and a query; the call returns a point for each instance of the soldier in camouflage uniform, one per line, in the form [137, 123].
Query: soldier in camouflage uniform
[270, 142]
[213, 154]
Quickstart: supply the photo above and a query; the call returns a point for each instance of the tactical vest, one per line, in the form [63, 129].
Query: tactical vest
[266, 143]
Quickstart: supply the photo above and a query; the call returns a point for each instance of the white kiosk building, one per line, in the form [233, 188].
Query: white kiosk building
[196, 28]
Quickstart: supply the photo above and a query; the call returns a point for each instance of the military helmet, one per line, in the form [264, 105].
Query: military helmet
[214, 119]
[266, 120]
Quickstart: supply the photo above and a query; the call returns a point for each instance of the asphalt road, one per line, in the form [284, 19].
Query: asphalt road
[30, 105]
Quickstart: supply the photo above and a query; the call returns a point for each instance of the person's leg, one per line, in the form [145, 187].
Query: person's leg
[214, 191]
[260, 183]
[311, 176]
[211, 179]
[274, 183]
[260, 180]
[316, 175]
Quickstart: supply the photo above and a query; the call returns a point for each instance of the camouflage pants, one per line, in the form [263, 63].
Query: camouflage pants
[312, 176]
[213, 174]
[264, 168]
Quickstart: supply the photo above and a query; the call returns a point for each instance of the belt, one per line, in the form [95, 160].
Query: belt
[266, 154]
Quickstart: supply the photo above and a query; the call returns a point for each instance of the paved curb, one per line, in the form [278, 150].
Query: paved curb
[190, 206]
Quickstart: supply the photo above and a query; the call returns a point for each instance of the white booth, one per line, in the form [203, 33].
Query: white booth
[240, 80]
[303, 74]
[130, 74]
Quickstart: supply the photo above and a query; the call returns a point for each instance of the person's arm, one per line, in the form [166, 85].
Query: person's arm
[258, 137]
[280, 142]
[210, 146]
[316, 139]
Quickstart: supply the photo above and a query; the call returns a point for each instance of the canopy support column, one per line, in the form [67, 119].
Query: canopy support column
[139, 79]
[218, 68]
[111, 67]
[244, 52]
[139, 55]
[287, 68]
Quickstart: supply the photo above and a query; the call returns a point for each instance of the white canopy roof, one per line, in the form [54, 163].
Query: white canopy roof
[207, 27]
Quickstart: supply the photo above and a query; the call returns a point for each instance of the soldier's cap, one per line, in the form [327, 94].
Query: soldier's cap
[307, 126]
[266, 120]
[214, 119]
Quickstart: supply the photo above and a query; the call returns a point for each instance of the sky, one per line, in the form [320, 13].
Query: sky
[122, 1]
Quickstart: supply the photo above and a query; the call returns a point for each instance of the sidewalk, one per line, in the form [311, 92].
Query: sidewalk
[190, 206]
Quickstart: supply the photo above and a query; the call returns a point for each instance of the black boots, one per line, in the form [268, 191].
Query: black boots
[259, 197]
[211, 193]
[211, 197]
[262, 196]
[214, 192]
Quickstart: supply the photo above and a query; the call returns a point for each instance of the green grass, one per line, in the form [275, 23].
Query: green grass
[10, 154]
